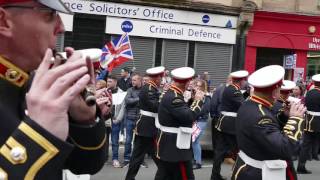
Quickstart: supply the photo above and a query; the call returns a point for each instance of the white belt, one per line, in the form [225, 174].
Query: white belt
[251, 162]
[162, 128]
[231, 114]
[313, 113]
[271, 169]
[148, 113]
[183, 134]
[166, 128]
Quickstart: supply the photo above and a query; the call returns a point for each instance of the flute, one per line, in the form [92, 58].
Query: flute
[88, 94]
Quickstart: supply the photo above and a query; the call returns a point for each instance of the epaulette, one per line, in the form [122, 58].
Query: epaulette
[12, 73]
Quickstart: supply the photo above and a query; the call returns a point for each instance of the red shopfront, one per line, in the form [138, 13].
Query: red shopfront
[275, 35]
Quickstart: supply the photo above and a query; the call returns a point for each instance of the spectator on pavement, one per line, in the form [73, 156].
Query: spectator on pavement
[132, 114]
[117, 116]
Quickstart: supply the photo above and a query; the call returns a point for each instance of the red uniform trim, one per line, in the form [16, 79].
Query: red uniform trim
[289, 172]
[3, 69]
[153, 84]
[262, 101]
[175, 88]
[236, 86]
[156, 75]
[269, 88]
[181, 80]
[12, 1]
[183, 171]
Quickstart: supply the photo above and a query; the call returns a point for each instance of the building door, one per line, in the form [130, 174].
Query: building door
[273, 56]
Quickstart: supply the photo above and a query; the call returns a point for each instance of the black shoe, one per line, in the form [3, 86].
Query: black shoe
[197, 166]
[303, 170]
[125, 163]
[144, 165]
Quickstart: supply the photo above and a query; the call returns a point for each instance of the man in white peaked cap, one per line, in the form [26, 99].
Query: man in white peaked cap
[175, 127]
[265, 148]
[146, 131]
[312, 129]
[281, 105]
[225, 139]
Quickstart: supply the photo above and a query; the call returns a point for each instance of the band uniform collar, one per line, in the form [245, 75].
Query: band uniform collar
[12, 73]
[261, 101]
[236, 86]
[176, 89]
[153, 84]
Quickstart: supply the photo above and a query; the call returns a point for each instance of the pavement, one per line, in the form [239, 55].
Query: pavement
[110, 173]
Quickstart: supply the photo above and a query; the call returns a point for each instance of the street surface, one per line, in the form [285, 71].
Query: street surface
[111, 173]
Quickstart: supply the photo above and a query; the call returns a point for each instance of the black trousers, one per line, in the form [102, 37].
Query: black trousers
[174, 171]
[309, 139]
[108, 132]
[142, 146]
[214, 133]
[225, 143]
[315, 148]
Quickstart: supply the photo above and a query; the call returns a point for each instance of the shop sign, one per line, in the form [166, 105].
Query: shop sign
[167, 30]
[314, 44]
[289, 61]
[151, 13]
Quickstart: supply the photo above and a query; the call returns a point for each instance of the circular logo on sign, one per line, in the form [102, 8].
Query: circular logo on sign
[127, 26]
[205, 19]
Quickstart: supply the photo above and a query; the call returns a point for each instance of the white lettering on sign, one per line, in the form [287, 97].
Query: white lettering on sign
[167, 30]
[151, 13]
[314, 45]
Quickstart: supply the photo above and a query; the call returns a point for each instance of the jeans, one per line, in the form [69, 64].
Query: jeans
[129, 125]
[196, 144]
[115, 131]
[108, 132]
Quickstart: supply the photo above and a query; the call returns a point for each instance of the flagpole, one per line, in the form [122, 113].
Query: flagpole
[133, 64]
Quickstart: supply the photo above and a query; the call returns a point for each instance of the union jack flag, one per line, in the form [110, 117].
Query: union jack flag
[116, 52]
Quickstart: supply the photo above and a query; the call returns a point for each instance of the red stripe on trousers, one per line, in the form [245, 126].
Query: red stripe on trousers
[183, 171]
[291, 177]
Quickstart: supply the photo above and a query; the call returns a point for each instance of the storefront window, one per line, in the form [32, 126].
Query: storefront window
[313, 66]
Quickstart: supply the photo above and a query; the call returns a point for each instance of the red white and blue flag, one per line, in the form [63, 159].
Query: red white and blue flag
[116, 52]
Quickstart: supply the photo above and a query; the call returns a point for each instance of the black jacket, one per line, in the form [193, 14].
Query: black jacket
[46, 155]
[205, 110]
[278, 111]
[148, 101]
[123, 84]
[313, 104]
[215, 107]
[260, 136]
[232, 99]
[132, 103]
[175, 112]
